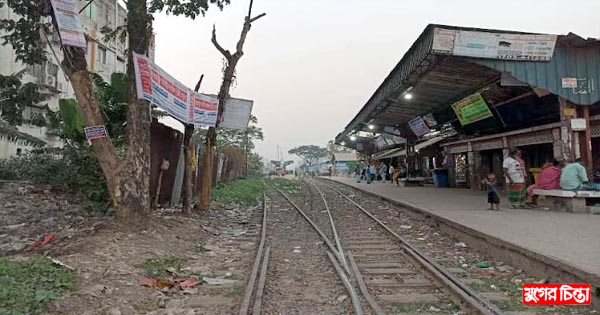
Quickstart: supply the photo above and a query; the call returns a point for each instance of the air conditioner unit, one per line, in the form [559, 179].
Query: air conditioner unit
[51, 81]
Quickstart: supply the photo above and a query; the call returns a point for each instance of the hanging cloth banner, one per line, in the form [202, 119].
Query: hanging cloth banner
[157, 86]
[69, 27]
[471, 109]
[205, 109]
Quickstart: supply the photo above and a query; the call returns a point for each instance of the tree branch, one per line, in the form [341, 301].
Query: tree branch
[257, 17]
[223, 51]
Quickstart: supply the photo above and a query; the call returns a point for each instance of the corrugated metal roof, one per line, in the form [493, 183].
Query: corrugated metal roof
[581, 63]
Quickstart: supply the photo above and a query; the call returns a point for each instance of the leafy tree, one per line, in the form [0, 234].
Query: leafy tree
[128, 177]
[16, 97]
[309, 153]
[255, 164]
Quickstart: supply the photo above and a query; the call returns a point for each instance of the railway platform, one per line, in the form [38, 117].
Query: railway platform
[569, 240]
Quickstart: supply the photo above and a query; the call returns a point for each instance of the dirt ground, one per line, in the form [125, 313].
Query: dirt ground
[108, 258]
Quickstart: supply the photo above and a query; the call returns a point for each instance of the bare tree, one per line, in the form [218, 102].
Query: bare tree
[228, 77]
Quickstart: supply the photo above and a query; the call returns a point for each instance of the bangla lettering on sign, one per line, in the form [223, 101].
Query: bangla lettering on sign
[471, 109]
[69, 27]
[556, 294]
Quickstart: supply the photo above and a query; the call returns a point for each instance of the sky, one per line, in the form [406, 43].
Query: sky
[311, 65]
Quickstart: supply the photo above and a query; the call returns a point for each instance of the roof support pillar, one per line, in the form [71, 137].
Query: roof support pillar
[567, 112]
[585, 141]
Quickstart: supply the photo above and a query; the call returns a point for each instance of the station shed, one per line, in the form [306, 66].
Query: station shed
[495, 89]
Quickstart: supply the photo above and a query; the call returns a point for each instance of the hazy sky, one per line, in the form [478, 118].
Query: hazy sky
[311, 65]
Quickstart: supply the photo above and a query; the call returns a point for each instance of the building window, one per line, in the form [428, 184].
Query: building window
[102, 55]
[19, 151]
[91, 11]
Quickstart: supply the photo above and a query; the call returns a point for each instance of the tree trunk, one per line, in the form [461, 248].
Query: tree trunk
[187, 174]
[207, 170]
[135, 173]
[187, 192]
[104, 150]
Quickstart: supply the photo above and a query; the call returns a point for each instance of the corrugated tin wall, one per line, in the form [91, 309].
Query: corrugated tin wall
[582, 64]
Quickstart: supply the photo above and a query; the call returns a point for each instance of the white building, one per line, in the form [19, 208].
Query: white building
[104, 58]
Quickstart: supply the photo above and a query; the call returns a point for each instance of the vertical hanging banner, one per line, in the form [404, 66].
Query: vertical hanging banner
[69, 27]
[205, 109]
[418, 126]
[471, 109]
[155, 85]
[236, 114]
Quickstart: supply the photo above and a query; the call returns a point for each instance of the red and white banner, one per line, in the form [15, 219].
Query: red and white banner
[160, 88]
[556, 293]
[205, 109]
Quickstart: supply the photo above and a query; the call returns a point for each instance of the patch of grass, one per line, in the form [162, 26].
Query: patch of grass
[510, 305]
[241, 192]
[158, 267]
[286, 185]
[27, 286]
[501, 285]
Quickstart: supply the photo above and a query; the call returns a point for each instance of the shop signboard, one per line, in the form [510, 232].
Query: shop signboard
[236, 114]
[519, 47]
[471, 109]
[476, 44]
[418, 126]
[70, 28]
[430, 120]
[526, 47]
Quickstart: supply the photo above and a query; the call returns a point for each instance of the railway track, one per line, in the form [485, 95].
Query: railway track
[380, 271]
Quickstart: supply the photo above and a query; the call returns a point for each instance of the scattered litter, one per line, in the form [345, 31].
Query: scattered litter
[406, 227]
[483, 264]
[434, 309]
[209, 248]
[155, 283]
[42, 242]
[460, 244]
[341, 298]
[188, 283]
[235, 232]
[421, 238]
[286, 260]
[217, 281]
[211, 230]
[541, 281]
[493, 287]
[297, 247]
[172, 270]
[228, 275]
[296, 251]
[464, 265]
[60, 263]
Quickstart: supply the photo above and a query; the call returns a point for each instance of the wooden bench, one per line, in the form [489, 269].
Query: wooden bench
[568, 201]
[412, 181]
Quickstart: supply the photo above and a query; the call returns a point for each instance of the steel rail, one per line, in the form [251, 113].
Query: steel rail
[358, 310]
[256, 309]
[336, 236]
[465, 292]
[323, 236]
[250, 287]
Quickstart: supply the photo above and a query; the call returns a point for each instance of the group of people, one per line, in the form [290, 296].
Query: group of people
[572, 177]
[371, 172]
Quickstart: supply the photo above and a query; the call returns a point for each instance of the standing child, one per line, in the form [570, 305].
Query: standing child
[493, 191]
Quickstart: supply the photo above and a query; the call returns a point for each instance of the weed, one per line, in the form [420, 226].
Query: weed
[286, 185]
[510, 305]
[26, 286]
[158, 267]
[243, 192]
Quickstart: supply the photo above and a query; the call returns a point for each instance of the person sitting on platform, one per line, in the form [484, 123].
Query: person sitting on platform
[574, 178]
[548, 179]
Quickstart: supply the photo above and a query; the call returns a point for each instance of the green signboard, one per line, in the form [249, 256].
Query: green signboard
[471, 109]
